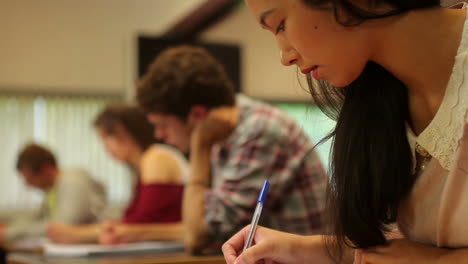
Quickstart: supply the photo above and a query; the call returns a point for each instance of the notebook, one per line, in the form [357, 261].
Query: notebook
[28, 244]
[89, 250]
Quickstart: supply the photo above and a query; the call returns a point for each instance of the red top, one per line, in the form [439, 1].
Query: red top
[155, 203]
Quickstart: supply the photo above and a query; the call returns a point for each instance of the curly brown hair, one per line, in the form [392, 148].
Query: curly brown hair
[181, 77]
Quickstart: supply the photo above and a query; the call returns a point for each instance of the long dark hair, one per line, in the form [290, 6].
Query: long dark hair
[132, 119]
[371, 159]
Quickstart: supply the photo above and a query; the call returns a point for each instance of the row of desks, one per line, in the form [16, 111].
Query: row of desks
[173, 258]
[154, 258]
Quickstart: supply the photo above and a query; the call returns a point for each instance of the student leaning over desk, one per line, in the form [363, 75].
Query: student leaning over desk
[70, 195]
[394, 75]
[154, 212]
[235, 143]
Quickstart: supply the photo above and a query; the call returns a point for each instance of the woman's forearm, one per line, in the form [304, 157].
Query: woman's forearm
[141, 232]
[73, 234]
[317, 248]
[454, 256]
[87, 233]
[193, 209]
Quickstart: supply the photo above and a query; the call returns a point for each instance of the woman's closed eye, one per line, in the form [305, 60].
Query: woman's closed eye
[280, 27]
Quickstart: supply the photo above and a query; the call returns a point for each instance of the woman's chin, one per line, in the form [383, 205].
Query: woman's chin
[339, 82]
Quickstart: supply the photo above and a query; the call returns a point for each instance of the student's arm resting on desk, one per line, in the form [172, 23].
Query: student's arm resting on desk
[79, 204]
[72, 234]
[34, 224]
[156, 169]
[117, 233]
[288, 248]
[278, 247]
[404, 251]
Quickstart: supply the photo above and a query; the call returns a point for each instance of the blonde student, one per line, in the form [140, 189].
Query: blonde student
[393, 74]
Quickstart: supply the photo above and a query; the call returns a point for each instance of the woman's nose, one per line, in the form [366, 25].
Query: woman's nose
[288, 57]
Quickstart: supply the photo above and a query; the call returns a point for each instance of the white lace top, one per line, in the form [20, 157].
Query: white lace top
[442, 135]
[436, 210]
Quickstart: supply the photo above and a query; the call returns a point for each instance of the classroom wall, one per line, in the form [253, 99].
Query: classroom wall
[87, 46]
[263, 75]
[77, 46]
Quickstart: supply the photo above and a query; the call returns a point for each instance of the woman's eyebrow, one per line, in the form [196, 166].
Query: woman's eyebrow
[263, 17]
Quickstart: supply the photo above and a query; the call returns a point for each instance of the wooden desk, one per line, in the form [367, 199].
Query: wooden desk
[169, 258]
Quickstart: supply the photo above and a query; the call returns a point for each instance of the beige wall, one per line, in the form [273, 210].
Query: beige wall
[263, 75]
[77, 45]
[450, 2]
[88, 45]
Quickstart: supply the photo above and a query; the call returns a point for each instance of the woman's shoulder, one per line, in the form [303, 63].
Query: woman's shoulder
[159, 164]
[161, 152]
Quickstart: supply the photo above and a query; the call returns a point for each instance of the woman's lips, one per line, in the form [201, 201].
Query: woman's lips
[315, 74]
[308, 70]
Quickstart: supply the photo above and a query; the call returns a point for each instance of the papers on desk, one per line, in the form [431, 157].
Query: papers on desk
[85, 250]
[28, 244]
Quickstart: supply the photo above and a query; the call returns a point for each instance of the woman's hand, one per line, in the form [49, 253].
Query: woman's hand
[217, 126]
[269, 246]
[112, 233]
[401, 251]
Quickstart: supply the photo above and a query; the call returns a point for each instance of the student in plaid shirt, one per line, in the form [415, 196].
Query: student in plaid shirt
[235, 143]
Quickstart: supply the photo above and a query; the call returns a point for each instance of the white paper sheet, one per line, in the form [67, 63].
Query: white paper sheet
[80, 250]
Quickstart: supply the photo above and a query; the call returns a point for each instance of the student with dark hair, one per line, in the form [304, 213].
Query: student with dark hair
[392, 74]
[154, 212]
[72, 196]
[235, 143]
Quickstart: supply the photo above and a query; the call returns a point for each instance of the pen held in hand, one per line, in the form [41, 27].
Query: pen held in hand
[256, 216]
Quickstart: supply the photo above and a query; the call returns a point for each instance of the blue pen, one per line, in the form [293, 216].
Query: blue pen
[256, 216]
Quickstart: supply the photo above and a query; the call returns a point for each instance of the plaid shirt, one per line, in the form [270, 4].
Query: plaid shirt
[266, 144]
